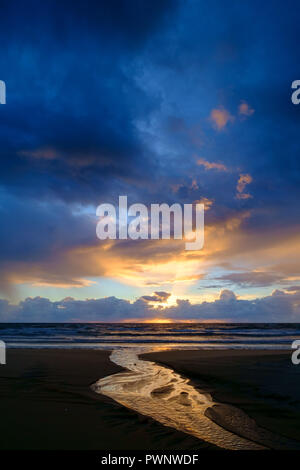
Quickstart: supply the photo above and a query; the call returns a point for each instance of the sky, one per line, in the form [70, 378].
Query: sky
[165, 102]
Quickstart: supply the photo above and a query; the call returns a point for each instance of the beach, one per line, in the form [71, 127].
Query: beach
[264, 384]
[46, 403]
[46, 400]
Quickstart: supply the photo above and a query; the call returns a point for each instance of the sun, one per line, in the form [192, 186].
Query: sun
[148, 320]
[170, 302]
[158, 320]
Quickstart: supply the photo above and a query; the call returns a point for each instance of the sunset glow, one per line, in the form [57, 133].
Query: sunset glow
[159, 115]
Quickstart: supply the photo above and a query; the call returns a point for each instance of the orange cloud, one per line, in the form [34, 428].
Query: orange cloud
[164, 263]
[220, 117]
[142, 264]
[211, 165]
[207, 202]
[243, 181]
[243, 196]
[245, 109]
[78, 283]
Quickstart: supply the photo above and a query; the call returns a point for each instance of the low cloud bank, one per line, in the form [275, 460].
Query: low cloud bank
[280, 306]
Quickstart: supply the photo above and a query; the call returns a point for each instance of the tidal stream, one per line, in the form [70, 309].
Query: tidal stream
[165, 396]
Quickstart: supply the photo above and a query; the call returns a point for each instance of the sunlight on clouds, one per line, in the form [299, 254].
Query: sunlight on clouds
[243, 181]
[245, 109]
[220, 118]
[211, 165]
[77, 283]
[172, 272]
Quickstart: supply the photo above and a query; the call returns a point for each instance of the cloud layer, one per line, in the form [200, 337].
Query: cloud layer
[280, 306]
[173, 102]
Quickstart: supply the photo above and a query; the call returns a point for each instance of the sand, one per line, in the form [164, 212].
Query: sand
[263, 384]
[46, 401]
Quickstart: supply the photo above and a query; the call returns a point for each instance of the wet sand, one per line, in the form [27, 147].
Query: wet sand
[172, 400]
[46, 403]
[263, 384]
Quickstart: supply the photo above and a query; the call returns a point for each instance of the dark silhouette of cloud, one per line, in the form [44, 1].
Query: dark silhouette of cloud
[156, 297]
[280, 306]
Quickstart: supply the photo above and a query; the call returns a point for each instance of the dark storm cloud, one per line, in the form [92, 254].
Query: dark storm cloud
[34, 234]
[53, 228]
[130, 21]
[109, 98]
[71, 73]
[72, 95]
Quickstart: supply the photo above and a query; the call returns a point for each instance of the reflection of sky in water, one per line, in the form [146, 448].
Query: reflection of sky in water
[159, 392]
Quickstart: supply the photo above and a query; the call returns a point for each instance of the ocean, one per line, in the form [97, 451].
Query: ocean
[154, 336]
